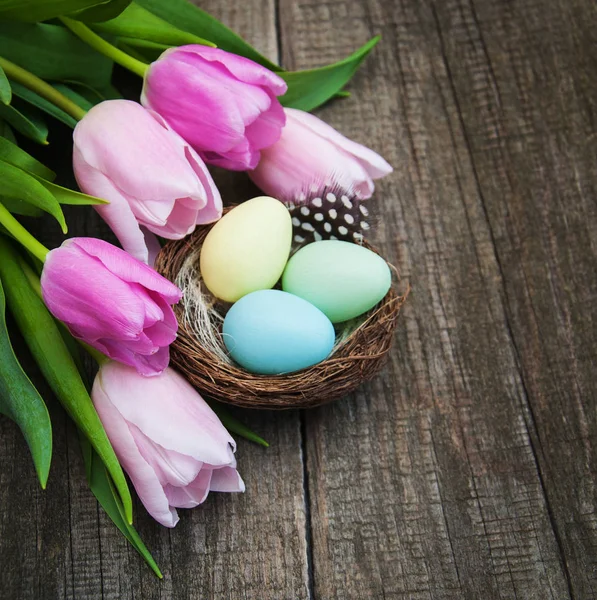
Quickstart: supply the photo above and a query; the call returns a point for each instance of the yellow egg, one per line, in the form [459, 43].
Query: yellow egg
[247, 249]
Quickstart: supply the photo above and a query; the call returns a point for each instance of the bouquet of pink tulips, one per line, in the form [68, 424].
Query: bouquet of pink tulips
[208, 98]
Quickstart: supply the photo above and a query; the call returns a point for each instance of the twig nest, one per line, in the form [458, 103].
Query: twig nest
[199, 351]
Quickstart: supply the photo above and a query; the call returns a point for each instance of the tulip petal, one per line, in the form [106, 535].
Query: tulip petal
[179, 497]
[153, 246]
[149, 164]
[143, 477]
[169, 316]
[112, 301]
[175, 89]
[118, 214]
[128, 269]
[160, 334]
[147, 366]
[212, 210]
[301, 161]
[170, 467]
[226, 479]
[375, 165]
[149, 171]
[241, 68]
[153, 312]
[217, 102]
[181, 221]
[193, 494]
[192, 428]
[266, 131]
[70, 287]
[242, 160]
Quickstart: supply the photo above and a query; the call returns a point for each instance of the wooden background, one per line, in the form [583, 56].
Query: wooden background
[467, 468]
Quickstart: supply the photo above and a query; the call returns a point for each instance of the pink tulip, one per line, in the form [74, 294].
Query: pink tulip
[312, 154]
[172, 445]
[224, 105]
[112, 302]
[152, 178]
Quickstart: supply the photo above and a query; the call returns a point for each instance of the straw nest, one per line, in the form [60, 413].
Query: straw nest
[199, 352]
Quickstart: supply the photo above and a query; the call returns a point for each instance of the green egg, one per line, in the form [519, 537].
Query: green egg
[341, 279]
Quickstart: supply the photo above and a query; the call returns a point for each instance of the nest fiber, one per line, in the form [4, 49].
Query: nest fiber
[200, 354]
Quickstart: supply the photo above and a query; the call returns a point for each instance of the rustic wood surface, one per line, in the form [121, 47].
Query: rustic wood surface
[467, 469]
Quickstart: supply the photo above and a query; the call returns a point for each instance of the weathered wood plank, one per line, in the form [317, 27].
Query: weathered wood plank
[34, 525]
[523, 74]
[467, 468]
[58, 544]
[425, 484]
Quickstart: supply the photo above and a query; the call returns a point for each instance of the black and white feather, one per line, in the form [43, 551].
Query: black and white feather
[329, 212]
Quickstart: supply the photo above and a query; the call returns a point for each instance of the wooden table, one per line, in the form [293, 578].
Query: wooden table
[467, 468]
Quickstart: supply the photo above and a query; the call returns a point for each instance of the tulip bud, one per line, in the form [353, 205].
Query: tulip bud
[112, 301]
[311, 153]
[169, 441]
[222, 104]
[152, 178]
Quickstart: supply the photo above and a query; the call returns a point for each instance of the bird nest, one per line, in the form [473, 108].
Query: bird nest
[200, 354]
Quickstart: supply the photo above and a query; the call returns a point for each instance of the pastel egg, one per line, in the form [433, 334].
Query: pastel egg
[271, 332]
[342, 279]
[247, 249]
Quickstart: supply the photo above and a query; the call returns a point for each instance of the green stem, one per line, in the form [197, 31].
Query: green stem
[101, 45]
[39, 86]
[22, 235]
[31, 276]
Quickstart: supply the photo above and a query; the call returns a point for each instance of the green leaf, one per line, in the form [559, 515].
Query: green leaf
[25, 120]
[80, 99]
[90, 94]
[186, 16]
[309, 89]
[45, 342]
[67, 196]
[16, 183]
[74, 349]
[7, 132]
[42, 10]
[36, 100]
[109, 92]
[144, 44]
[141, 49]
[53, 52]
[5, 91]
[19, 207]
[233, 425]
[137, 22]
[103, 489]
[103, 12]
[21, 402]
[11, 153]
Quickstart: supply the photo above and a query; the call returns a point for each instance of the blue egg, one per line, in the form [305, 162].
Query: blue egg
[272, 332]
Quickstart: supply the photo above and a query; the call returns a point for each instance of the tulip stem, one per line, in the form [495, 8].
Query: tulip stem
[22, 235]
[101, 45]
[42, 88]
[31, 276]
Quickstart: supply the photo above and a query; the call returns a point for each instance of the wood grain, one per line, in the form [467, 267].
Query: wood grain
[440, 479]
[59, 544]
[530, 127]
[467, 468]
